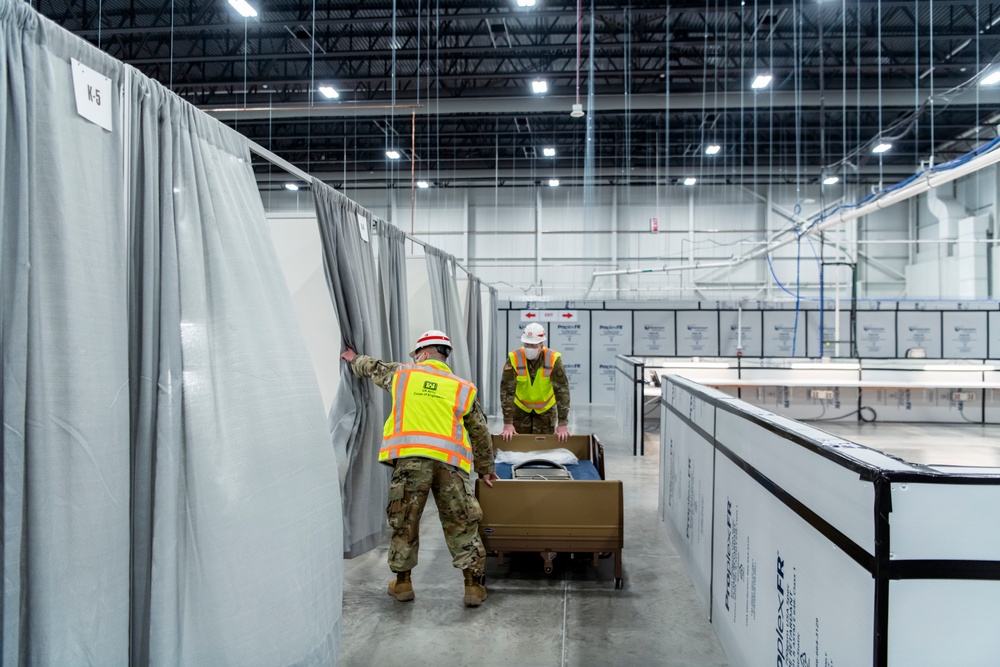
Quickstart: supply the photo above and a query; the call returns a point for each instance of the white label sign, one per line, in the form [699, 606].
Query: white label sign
[919, 329]
[612, 335]
[876, 334]
[363, 227]
[93, 95]
[572, 339]
[549, 316]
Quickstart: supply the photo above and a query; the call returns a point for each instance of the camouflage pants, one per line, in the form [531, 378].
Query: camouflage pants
[531, 422]
[412, 479]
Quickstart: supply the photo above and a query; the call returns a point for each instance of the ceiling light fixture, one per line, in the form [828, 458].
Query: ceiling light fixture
[991, 79]
[882, 147]
[244, 8]
[548, 151]
[761, 81]
[831, 180]
[392, 154]
[291, 186]
[553, 182]
[525, 3]
[329, 92]
[423, 185]
[539, 86]
[690, 180]
[713, 149]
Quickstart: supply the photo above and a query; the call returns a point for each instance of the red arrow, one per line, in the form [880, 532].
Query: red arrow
[567, 315]
[530, 315]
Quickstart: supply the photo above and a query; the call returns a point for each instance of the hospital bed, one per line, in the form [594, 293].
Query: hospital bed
[552, 517]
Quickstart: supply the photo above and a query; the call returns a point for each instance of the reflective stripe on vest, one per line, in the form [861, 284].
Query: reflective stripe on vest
[534, 395]
[428, 406]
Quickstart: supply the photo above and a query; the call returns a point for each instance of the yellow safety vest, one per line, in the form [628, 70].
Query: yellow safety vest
[538, 395]
[428, 404]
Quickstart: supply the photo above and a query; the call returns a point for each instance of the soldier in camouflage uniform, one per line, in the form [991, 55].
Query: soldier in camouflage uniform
[415, 476]
[517, 420]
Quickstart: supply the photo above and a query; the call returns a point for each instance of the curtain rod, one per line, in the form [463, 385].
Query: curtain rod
[292, 169]
[284, 164]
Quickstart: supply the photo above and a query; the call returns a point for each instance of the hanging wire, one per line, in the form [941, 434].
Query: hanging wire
[312, 87]
[930, 68]
[878, 41]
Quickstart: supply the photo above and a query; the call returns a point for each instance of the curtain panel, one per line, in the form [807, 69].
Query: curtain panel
[392, 283]
[169, 493]
[236, 495]
[358, 411]
[474, 333]
[64, 338]
[447, 308]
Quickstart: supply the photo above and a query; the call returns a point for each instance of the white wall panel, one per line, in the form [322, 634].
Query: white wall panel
[697, 334]
[964, 335]
[504, 246]
[300, 253]
[829, 334]
[653, 334]
[919, 329]
[745, 330]
[943, 622]
[876, 334]
[572, 339]
[782, 594]
[784, 333]
[611, 335]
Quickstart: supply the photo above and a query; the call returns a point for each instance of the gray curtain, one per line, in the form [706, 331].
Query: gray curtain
[494, 356]
[392, 283]
[474, 331]
[446, 307]
[357, 413]
[169, 493]
[237, 533]
[64, 338]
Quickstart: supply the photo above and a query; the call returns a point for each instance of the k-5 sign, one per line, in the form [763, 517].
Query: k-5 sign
[93, 95]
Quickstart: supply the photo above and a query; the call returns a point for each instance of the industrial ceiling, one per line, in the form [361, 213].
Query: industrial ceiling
[448, 85]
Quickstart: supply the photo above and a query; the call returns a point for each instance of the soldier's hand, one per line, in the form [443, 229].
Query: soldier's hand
[349, 355]
[508, 432]
[489, 477]
[562, 433]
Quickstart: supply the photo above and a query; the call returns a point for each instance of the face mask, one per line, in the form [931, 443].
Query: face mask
[531, 353]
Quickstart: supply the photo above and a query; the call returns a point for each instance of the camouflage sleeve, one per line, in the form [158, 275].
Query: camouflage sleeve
[508, 387]
[480, 438]
[560, 384]
[379, 371]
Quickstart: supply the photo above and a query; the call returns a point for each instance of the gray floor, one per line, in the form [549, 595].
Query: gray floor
[572, 617]
[929, 444]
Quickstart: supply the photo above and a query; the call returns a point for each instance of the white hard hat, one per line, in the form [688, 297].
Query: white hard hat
[533, 333]
[428, 338]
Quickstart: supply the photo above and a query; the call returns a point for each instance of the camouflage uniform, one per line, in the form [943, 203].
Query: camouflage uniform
[413, 478]
[532, 422]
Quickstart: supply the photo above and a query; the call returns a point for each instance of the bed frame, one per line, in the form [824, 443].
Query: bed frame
[552, 517]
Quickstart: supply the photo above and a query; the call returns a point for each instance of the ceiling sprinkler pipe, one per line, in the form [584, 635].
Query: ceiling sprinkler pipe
[918, 187]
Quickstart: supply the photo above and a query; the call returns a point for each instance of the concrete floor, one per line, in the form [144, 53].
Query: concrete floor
[928, 444]
[572, 617]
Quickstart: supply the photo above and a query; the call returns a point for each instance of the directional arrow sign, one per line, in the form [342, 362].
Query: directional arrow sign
[567, 316]
[529, 315]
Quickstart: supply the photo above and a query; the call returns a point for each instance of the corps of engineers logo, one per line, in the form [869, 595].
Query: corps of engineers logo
[430, 386]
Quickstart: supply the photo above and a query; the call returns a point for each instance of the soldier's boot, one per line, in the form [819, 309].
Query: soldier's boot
[401, 587]
[475, 591]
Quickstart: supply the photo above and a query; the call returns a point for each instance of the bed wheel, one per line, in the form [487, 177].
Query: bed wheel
[619, 584]
[547, 558]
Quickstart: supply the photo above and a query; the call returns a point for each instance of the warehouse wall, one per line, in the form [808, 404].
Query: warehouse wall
[544, 243]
